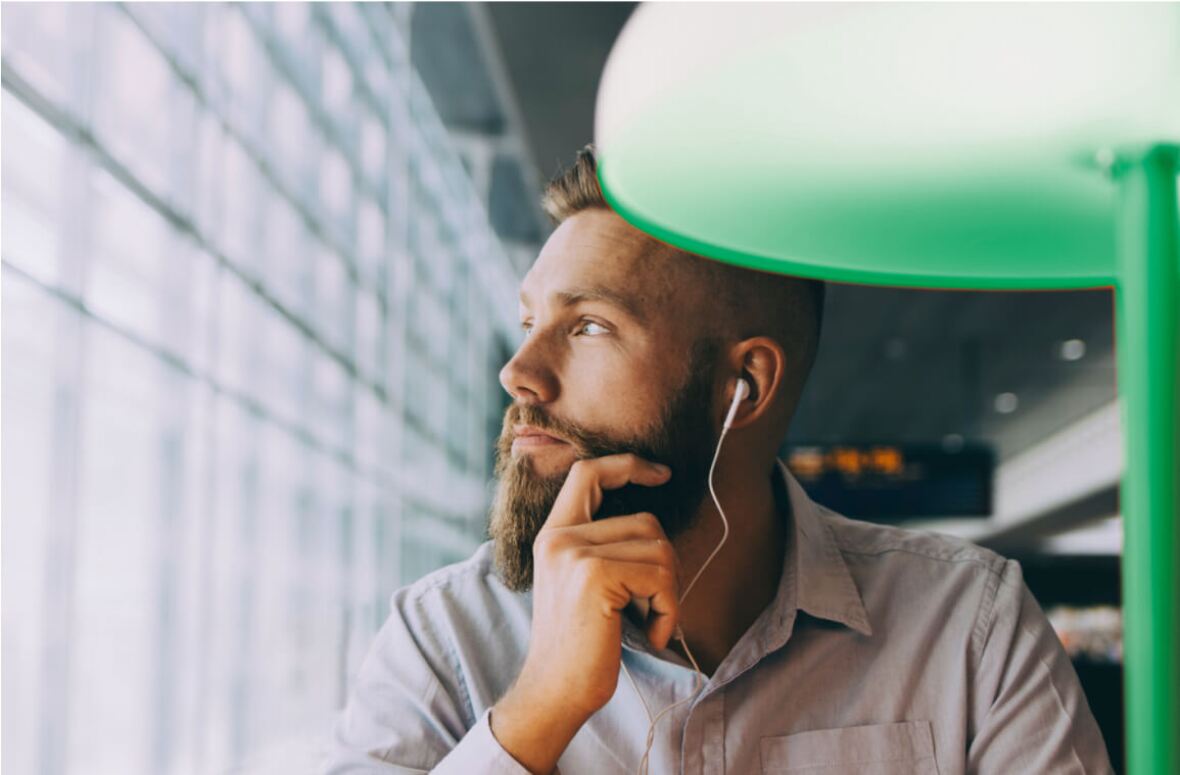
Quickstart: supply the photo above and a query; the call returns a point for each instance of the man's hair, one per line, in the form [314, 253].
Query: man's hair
[787, 309]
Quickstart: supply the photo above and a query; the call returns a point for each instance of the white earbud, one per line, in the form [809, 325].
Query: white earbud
[739, 395]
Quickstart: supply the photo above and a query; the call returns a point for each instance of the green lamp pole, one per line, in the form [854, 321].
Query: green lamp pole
[1146, 305]
[952, 146]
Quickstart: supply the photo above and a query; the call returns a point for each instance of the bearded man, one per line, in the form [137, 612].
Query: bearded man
[809, 643]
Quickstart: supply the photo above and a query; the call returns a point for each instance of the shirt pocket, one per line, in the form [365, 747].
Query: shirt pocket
[903, 748]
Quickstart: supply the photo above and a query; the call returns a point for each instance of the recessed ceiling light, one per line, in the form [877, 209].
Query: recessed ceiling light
[1006, 403]
[1072, 350]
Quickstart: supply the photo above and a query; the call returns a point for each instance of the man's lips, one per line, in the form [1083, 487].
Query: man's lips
[528, 436]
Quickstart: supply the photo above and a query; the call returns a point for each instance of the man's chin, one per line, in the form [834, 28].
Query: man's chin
[545, 462]
[521, 507]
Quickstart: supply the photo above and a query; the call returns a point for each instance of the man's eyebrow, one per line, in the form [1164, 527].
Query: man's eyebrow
[596, 293]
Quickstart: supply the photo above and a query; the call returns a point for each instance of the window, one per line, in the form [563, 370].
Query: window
[225, 413]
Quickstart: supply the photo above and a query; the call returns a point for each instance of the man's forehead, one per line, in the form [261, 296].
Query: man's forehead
[629, 289]
[615, 274]
[600, 253]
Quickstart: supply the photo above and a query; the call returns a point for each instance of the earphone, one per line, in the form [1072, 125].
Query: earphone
[740, 392]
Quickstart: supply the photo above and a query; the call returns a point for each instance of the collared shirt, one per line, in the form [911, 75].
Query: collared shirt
[884, 651]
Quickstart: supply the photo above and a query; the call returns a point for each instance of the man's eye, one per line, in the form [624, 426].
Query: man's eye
[600, 329]
[588, 323]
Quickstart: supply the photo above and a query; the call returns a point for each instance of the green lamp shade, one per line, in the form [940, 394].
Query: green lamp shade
[944, 146]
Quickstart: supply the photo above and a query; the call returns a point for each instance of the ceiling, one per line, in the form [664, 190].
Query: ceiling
[916, 366]
[553, 54]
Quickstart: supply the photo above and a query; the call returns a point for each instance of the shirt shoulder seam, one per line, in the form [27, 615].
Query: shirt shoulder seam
[415, 594]
[994, 566]
[985, 615]
[1056, 695]
[983, 561]
[448, 650]
[421, 587]
[958, 551]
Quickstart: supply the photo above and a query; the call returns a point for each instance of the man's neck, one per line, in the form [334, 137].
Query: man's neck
[743, 578]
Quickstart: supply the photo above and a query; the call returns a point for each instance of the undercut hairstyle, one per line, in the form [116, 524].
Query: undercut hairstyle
[750, 303]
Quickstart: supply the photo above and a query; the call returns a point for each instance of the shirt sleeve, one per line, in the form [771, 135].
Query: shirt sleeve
[1034, 714]
[408, 713]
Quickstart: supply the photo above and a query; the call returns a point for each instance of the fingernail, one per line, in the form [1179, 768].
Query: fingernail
[663, 469]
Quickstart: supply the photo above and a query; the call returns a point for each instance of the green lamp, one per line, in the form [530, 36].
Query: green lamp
[954, 146]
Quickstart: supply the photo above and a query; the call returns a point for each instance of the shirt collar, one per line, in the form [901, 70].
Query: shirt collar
[814, 578]
[814, 567]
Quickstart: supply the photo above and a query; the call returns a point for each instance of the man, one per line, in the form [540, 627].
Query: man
[826, 645]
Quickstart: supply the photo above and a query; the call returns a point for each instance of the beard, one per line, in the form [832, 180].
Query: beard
[682, 438]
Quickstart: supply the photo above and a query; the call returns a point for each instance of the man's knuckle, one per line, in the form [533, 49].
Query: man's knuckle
[547, 544]
[589, 568]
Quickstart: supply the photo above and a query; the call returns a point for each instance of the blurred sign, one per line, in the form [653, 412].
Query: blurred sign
[888, 483]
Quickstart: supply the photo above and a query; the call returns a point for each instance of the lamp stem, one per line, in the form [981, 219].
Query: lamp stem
[1147, 300]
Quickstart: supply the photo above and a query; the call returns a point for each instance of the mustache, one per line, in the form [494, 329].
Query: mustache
[586, 443]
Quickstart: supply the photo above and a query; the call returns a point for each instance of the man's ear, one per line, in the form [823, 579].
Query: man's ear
[762, 363]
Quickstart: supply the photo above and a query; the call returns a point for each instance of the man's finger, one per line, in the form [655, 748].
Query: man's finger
[628, 527]
[657, 582]
[656, 551]
[581, 495]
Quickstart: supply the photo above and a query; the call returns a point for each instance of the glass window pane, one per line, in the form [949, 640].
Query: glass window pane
[288, 256]
[132, 86]
[178, 27]
[371, 238]
[237, 321]
[116, 629]
[370, 419]
[336, 80]
[234, 543]
[33, 162]
[292, 21]
[369, 330]
[280, 365]
[336, 187]
[332, 287]
[40, 42]
[240, 190]
[28, 390]
[290, 130]
[242, 67]
[330, 401]
[125, 277]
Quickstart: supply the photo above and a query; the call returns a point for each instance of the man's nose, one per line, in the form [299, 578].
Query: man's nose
[528, 376]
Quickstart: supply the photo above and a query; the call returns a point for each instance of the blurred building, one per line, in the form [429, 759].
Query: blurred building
[253, 315]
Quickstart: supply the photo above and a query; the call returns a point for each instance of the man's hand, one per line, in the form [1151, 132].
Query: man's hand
[585, 573]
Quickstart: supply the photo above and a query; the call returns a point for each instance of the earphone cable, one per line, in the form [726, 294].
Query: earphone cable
[698, 676]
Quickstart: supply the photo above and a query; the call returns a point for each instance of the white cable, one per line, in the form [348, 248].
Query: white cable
[698, 676]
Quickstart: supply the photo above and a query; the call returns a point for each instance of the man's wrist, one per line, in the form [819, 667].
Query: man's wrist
[532, 730]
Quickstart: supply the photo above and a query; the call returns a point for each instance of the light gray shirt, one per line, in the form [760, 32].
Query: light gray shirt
[884, 651]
